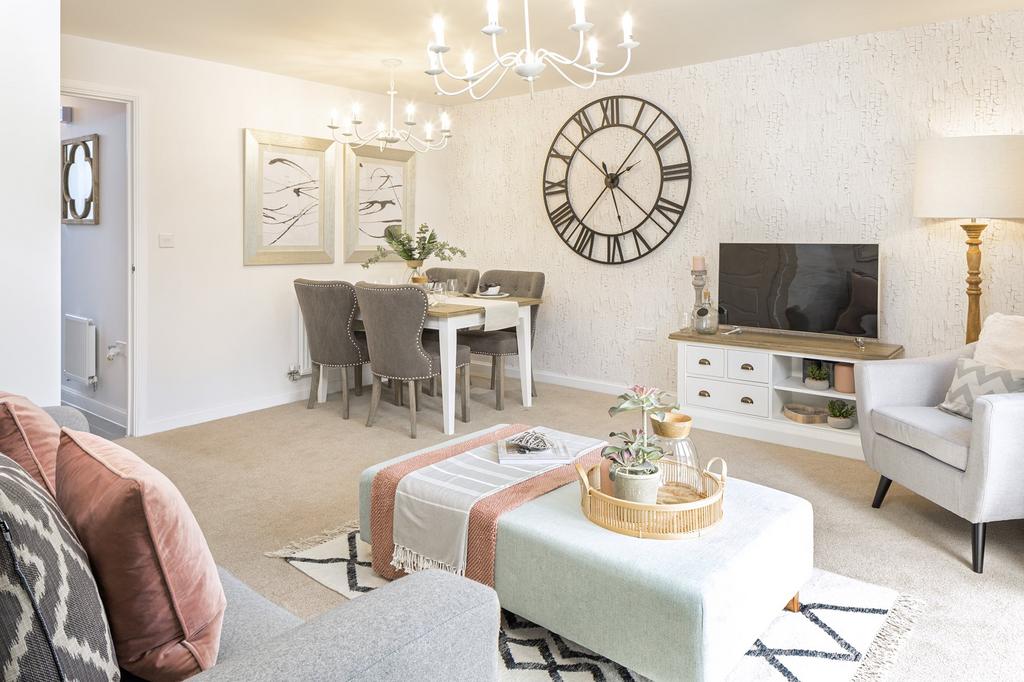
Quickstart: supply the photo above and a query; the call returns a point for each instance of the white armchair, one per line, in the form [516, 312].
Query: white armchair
[975, 469]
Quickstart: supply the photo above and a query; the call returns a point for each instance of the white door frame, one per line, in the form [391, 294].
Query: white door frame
[137, 259]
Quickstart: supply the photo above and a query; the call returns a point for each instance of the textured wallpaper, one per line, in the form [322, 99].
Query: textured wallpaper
[808, 144]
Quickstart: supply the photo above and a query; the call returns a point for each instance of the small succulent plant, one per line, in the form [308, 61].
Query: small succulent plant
[637, 453]
[840, 409]
[817, 372]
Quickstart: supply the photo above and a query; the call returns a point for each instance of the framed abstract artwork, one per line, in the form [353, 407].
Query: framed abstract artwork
[80, 181]
[379, 192]
[290, 187]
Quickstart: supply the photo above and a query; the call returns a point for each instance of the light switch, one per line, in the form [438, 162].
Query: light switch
[166, 240]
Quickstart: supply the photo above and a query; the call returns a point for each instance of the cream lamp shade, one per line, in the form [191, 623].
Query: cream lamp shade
[970, 177]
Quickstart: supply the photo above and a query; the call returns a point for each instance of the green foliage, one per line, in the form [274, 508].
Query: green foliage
[653, 401]
[817, 372]
[421, 246]
[840, 409]
[635, 453]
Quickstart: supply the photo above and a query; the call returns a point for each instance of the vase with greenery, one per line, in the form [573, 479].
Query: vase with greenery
[840, 414]
[817, 378]
[414, 249]
[634, 470]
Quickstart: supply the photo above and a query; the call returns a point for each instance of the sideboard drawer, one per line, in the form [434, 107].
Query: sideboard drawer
[705, 361]
[722, 395]
[745, 365]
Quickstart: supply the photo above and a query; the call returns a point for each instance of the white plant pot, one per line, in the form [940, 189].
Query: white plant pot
[840, 422]
[636, 487]
[816, 384]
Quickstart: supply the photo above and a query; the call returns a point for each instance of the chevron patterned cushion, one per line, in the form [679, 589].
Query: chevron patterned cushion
[42, 561]
[974, 379]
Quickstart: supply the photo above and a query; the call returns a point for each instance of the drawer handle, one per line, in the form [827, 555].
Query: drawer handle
[704, 394]
[703, 361]
[747, 401]
[747, 366]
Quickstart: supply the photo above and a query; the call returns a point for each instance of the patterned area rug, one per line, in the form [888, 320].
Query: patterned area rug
[846, 630]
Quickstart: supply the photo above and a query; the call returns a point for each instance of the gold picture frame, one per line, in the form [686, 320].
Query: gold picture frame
[380, 190]
[80, 181]
[289, 197]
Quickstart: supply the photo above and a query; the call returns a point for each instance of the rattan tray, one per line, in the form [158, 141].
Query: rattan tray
[689, 502]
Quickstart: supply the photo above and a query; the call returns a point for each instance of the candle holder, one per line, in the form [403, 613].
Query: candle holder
[700, 280]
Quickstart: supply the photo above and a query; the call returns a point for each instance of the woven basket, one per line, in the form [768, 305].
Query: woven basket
[689, 502]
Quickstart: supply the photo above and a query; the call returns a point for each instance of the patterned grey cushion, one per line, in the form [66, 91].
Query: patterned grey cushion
[56, 569]
[974, 379]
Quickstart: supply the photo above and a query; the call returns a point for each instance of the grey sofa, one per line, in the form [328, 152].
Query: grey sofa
[428, 626]
[975, 469]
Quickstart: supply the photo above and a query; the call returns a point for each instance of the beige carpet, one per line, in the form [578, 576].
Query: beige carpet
[261, 480]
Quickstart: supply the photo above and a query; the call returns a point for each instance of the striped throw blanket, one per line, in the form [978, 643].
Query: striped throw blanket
[443, 506]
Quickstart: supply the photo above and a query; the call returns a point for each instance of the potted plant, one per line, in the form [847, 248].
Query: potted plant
[840, 414]
[817, 378]
[634, 470]
[414, 249]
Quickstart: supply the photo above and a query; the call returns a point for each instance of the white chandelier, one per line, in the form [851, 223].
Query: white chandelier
[527, 63]
[386, 133]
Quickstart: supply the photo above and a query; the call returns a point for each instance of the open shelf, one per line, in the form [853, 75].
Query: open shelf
[853, 433]
[795, 385]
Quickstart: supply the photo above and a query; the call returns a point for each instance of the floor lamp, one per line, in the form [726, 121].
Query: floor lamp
[957, 177]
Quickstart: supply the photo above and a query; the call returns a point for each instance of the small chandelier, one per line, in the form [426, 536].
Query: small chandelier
[527, 63]
[386, 133]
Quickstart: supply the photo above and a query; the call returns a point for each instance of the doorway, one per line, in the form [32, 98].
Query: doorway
[96, 261]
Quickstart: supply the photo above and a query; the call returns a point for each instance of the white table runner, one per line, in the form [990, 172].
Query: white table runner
[497, 314]
[432, 504]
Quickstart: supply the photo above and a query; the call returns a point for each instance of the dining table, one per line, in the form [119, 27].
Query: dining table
[464, 312]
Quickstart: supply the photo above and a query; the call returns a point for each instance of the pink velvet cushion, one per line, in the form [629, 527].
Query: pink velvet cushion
[29, 436]
[156, 575]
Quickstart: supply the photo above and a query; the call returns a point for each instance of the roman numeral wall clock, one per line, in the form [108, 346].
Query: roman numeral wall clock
[617, 179]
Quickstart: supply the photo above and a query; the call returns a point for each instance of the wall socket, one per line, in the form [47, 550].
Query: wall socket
[645, 333]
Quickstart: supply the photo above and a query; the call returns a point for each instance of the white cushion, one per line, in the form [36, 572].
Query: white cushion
[942, 435]
[1002, 341]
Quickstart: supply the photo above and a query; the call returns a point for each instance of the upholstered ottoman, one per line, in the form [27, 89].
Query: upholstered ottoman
[670, 610]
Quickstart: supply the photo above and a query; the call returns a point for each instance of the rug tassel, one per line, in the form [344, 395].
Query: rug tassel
[881, 655]
[293, 548]
[405, 559]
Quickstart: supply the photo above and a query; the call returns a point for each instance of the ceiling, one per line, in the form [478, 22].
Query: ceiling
[342, 42]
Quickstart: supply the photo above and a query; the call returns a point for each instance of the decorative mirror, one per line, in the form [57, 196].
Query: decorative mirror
[80, 181]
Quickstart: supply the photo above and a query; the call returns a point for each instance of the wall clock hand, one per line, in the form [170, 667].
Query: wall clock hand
[618, 214]
[643, 137]
[593, 204]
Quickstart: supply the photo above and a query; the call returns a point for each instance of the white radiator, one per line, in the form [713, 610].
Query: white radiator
[302, 361]
[80, 349]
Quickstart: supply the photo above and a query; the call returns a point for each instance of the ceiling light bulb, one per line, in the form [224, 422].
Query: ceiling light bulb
[592, 48]
[581, 12]
[380, 126]
[438, 25]
[492, 12]
[467, 60]
[627, 28]
[446, 122]
[356, 111]
[428, 131]
[334, 118]
[410, 113]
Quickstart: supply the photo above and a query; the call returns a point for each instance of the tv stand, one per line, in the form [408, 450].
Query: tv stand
[738, 384]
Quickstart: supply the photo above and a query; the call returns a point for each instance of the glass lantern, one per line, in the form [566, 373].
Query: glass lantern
[681, 450]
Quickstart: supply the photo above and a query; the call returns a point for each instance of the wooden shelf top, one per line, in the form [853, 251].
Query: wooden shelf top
[812, 346]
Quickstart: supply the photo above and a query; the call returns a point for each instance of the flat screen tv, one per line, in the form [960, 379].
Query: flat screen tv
[814, 288]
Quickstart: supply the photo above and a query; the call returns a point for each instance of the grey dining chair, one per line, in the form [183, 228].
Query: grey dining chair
[468, 278]
[328, 312]
[502, 343]
[393, 316]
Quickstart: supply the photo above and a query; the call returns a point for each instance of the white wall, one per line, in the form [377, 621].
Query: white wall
[217, 337]
[94, 258]
[29, 187]
[808, 144]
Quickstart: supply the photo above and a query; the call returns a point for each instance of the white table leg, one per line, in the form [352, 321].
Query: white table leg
[446, 336]
[523, 338]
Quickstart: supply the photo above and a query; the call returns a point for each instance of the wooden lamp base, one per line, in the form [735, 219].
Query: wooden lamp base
[973, 231]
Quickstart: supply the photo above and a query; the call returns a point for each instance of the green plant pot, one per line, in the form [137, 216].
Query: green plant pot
[636, 487]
